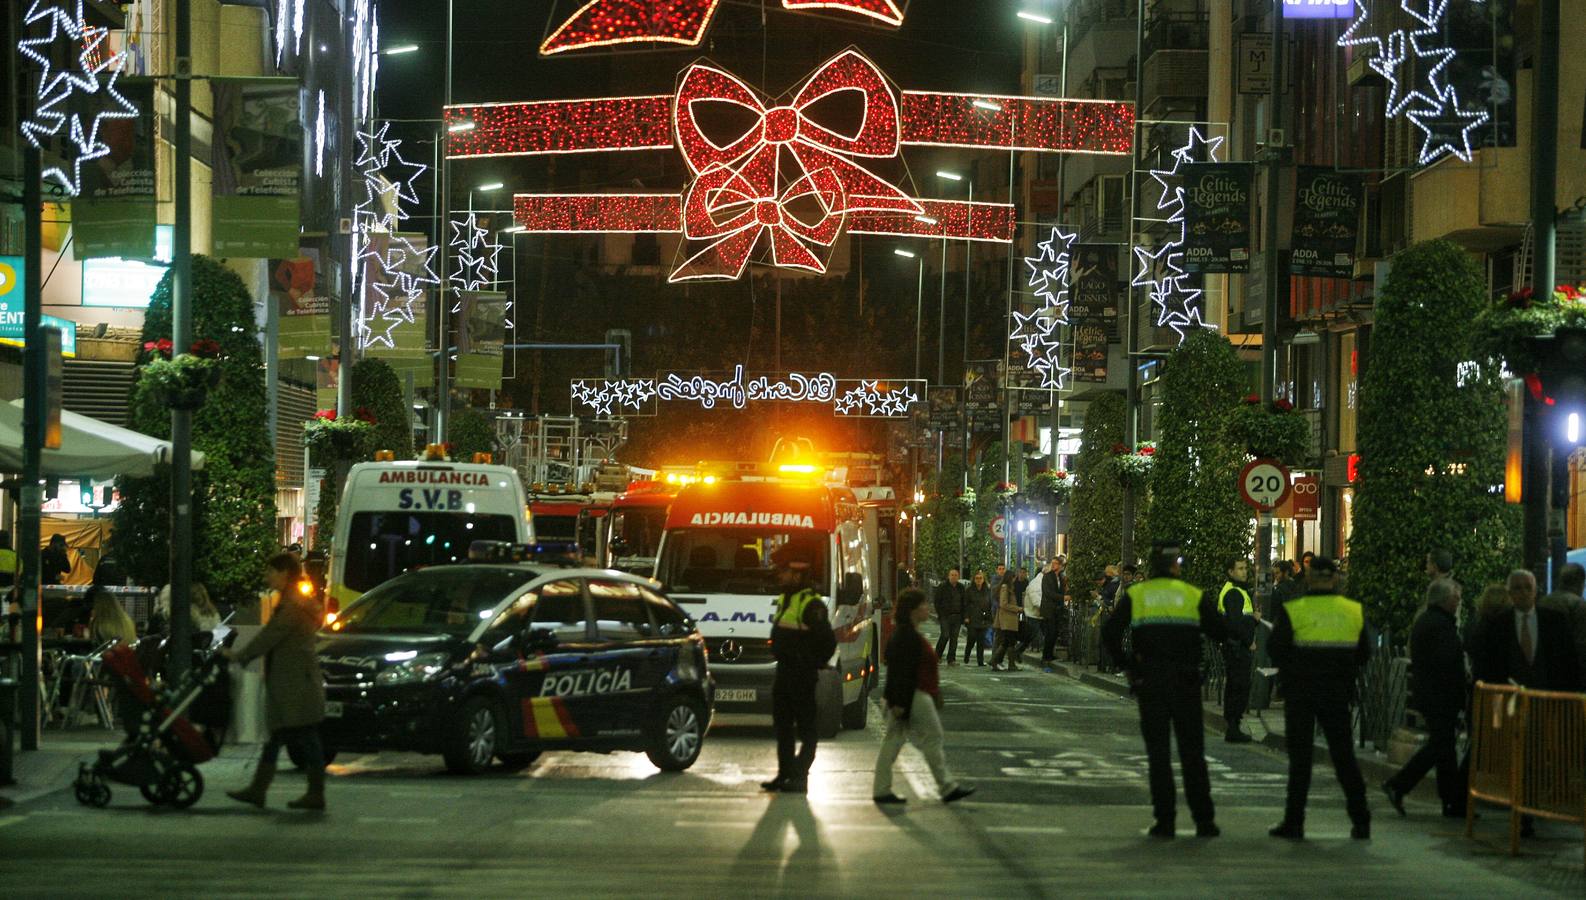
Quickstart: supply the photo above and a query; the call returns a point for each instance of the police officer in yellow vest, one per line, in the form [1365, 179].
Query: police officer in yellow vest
[10, 564]
[1165, 618]
[1237, 609]
[1319, 643]
[802, 642]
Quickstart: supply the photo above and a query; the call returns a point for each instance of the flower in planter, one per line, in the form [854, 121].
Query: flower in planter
[325, 415]
[205, 348]
[1252, 399]
[1119, 450]
[1282, 405]
[161, 347]
[1147, 448]
[364, 414]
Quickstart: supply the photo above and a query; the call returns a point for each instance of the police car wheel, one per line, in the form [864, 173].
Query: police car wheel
[471, 745]
[517, 761]
[682, 736]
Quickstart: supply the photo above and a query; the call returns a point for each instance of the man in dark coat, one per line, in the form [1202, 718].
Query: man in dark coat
[1054, 588]
[1437, 692]
[949, 602]
[1523, 643]
[1568, 601]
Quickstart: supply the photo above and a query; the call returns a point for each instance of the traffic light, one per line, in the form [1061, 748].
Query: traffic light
[1560, 381]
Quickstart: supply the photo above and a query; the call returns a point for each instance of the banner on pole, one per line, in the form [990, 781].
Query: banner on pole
[114, 214]
[257, 162]
[481, 336]
[1096, 286]
[1217, 217]
[1090, 352]
[1327, 205]
[304, 310]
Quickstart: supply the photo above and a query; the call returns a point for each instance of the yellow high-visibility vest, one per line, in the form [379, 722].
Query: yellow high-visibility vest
[1222, 598]
[1164, 601]
[790, 609]
[1326, 621]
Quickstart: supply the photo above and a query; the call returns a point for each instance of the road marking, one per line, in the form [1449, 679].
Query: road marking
[11, 820]
[427, 795]
[530, 823]
[1026, 829]
[402, 820]
[703, 799]
[697, 823]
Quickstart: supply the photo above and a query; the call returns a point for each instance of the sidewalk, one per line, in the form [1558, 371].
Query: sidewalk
[53, 766]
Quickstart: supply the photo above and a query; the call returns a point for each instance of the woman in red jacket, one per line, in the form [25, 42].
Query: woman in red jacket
[913, 695]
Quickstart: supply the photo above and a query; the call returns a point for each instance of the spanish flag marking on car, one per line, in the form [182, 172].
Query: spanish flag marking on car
[547, 717]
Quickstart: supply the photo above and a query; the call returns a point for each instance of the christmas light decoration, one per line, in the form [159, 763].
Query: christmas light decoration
[1038, 334]
[740, 190]
[637, 396]
[475, 254]
[57, 109]
[388, 271]
[1161, 269]
[1430, 103]
[1049, 272]
[319, 137]
[878, 400]
[606, 23]
[604, 396]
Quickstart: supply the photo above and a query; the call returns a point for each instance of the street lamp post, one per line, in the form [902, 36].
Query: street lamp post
[180, 651]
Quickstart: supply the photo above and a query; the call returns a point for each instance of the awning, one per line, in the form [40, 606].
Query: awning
[89, 448]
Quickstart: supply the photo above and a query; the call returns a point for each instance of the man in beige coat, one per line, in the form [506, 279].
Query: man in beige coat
[294, 688]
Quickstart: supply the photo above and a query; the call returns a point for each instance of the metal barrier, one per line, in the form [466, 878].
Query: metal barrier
[1382, 690]
[1528, 753]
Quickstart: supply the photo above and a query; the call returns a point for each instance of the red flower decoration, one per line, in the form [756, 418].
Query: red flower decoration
[1252, 399]
[1061, 474]
[1119, 449]
[206, 348]
[161, 346]
[1282, 405]
[1147, 451]
[328, 415]
[363, 413]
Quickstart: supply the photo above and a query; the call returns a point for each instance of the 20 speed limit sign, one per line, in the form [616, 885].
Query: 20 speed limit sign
[1264, 484]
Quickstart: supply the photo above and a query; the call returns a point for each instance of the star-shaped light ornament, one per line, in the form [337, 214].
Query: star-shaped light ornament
[476, 256]
[602, 398]
[870, 399]
[1414, 62]
[1159, 269]
[61, 104]
[401, 272]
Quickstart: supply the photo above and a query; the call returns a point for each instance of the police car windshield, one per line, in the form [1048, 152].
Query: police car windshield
[737, 560]
[383, 545]
[447, 600]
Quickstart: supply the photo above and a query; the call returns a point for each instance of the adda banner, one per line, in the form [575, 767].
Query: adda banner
[1217, 217]
[1326, 222]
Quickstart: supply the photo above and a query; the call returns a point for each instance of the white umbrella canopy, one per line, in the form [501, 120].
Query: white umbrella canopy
[89, 448]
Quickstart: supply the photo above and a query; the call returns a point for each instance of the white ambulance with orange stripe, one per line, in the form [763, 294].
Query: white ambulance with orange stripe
[716, 563]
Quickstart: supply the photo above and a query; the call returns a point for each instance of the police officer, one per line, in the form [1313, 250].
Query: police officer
[10, 564]
[1319, 642]
[1166, 617]
[802, 643]
[1235, 605]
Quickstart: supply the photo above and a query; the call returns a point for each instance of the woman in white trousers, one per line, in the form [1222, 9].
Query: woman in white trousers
[914, 695]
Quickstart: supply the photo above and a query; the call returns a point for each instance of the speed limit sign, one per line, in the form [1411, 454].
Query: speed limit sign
[1264, 484]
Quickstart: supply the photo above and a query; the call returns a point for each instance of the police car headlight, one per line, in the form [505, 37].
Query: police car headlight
[423, 667]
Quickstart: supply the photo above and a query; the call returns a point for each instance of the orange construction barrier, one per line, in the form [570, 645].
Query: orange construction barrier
[1528, 753]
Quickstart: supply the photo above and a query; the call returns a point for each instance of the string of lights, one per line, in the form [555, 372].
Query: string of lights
[1161, 271]
[611, 23]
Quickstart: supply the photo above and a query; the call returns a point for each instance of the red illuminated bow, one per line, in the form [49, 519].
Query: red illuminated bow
[731, 211]
[601, 23]
[816, 147]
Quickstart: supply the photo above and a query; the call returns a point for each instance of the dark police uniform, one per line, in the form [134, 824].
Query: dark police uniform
[1166, 618]
[1319, 643]
[802, 643]
[1234, 603]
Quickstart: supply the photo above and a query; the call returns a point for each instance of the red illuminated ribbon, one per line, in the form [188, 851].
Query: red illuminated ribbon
[605, 23]
[730, 211]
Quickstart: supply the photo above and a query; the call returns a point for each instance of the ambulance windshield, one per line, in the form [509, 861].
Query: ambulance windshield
[738, 560]
[383, 545]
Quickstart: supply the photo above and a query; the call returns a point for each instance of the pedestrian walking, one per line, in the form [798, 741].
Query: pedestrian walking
[1054, 609]
[1239, 610]
[1319, 643]
[980, 603]
[802, 643]
[1166, 618]
[1438, 693]
[1568, 602]
[1007, 624]
[914, 698]
[293, 686]
[1439, 564]
[950, 603]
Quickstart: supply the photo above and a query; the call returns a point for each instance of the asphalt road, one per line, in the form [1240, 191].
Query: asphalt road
[1061, 811]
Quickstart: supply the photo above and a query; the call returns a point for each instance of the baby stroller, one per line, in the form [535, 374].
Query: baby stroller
[170, 732]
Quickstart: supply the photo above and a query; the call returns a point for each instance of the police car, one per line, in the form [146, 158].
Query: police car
[506, 657]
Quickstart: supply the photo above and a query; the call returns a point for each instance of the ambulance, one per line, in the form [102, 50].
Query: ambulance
[717, 562]
[398, 516]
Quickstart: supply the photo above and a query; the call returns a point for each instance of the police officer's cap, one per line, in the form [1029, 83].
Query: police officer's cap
[1324, 565]
[793, 556]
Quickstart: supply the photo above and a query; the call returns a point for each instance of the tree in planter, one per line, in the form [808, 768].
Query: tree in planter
[1095, 528]
[376, 389]
[234, 495]
[334, 444]
[469, 431]
[1195, 474]
[1432, 435]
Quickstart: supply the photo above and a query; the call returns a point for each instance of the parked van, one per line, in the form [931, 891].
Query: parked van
[397, 516]
[716, 562]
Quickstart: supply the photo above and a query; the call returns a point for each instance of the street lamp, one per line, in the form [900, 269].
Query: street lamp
[1038, 18]
[919, 302]
[401, 49]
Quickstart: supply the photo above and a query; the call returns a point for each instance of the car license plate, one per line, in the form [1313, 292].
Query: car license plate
[332, 709]
[736, 695]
